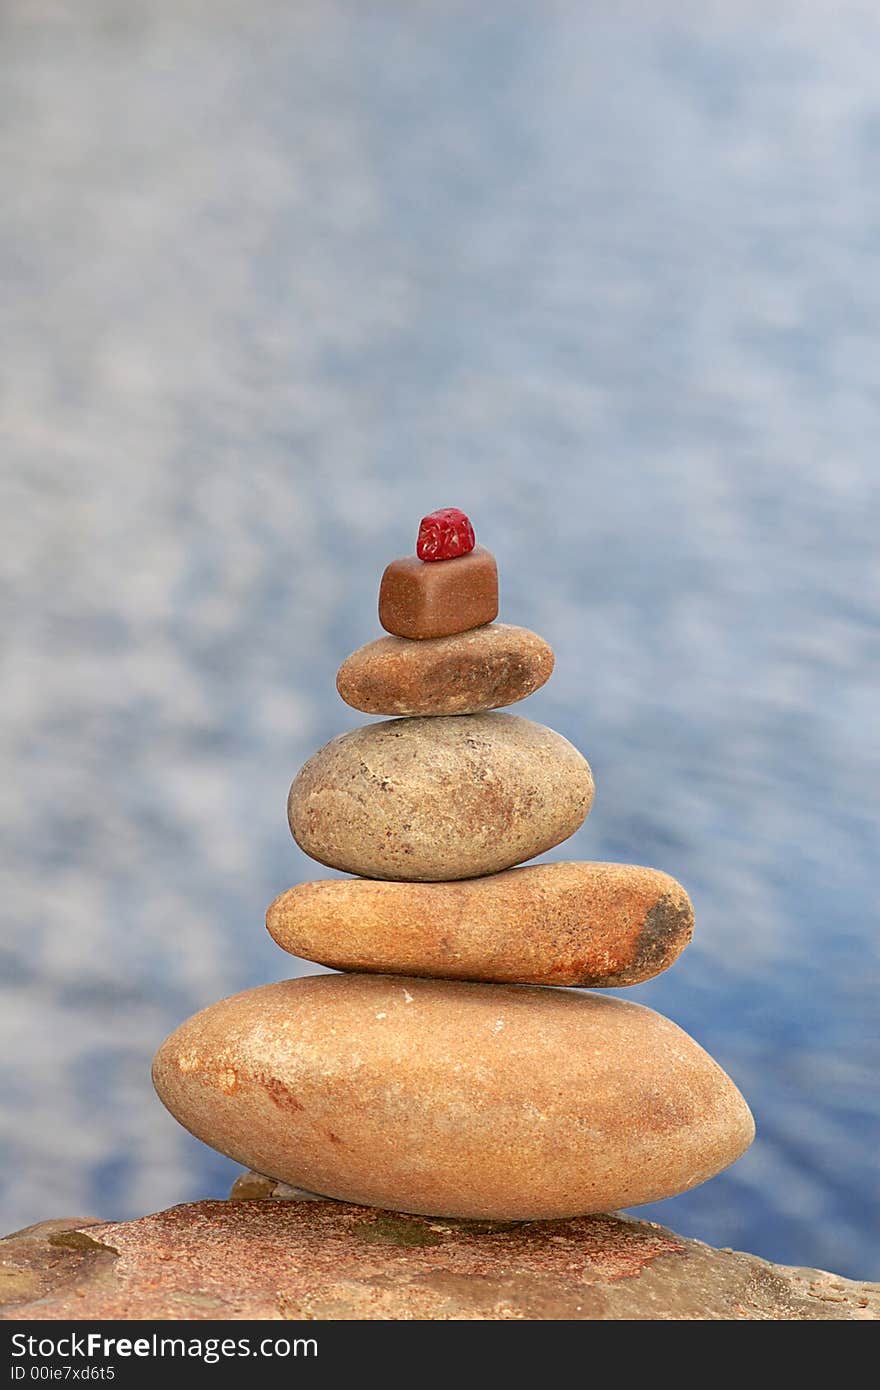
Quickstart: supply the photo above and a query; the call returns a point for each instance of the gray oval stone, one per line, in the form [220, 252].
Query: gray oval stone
[437, 799]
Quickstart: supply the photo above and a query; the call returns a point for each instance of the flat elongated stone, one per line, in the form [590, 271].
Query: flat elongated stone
[485, 668]
[549, 924]
[452, 1099]
[331, 1261]
[419, 600]
[443, 798]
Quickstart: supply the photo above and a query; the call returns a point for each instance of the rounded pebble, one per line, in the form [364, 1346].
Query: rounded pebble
[439, 798]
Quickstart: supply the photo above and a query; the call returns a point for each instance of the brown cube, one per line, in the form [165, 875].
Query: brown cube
[421, 600]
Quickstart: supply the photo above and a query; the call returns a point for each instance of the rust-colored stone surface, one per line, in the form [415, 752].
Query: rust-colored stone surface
[419, 600]
[436, 799]
[590, 924]
[327, 1260]
[486, 668]
[440, 1097]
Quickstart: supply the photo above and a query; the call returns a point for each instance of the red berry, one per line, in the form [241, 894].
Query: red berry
[445, 535]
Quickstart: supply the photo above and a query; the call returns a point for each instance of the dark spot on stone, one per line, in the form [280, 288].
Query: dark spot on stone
[78, 1240]
[667, 928]
[666, 925]
[280, 1096]
[334, 1138]
[396, 1230]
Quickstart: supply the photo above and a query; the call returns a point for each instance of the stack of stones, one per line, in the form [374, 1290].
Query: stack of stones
[439, 1074]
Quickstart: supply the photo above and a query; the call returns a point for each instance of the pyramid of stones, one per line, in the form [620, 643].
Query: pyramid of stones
[447, 1070]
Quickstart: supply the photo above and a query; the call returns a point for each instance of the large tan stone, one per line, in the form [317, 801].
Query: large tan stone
[447, 798]
[486, 668]
[326, 1261]
[453, 1099]
[548, 924]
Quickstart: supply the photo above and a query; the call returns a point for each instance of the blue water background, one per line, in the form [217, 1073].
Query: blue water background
[278, 279]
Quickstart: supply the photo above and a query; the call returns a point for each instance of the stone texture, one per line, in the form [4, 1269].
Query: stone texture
[467, 1100]
[419, 600]
[323, 1261]
[39, 1259]
[444, 535]
[486, 668]
[548, 924]
[446, 798]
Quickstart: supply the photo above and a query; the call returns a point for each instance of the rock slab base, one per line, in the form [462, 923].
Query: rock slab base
[322, 1260]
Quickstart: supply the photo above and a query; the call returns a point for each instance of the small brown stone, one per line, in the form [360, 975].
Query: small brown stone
[485, 668]
[251, 1186]
[419, 600]
[549, 924]
[486, 1101]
